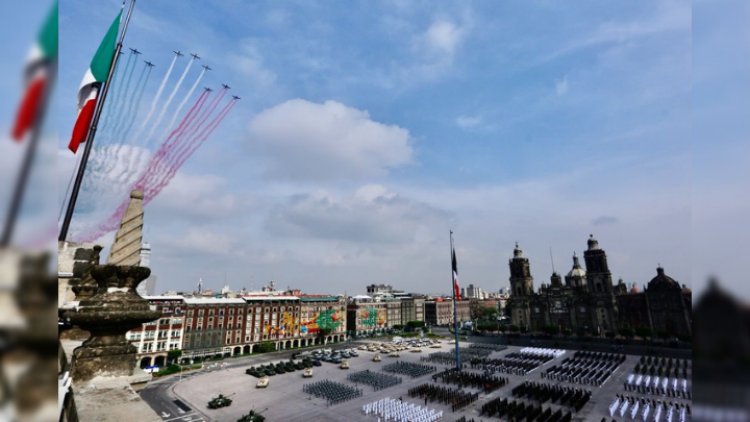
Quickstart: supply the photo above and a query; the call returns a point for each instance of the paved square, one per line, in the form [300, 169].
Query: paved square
[284, 399]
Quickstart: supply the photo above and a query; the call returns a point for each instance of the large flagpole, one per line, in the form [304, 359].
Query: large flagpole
[455, 307]
[92, 130]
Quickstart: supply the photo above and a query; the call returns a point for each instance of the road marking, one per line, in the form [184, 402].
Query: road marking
[182, 417]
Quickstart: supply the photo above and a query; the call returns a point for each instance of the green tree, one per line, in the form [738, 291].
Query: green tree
[266, 346]
[173, 355]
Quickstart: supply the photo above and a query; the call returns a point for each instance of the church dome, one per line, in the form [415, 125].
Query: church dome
[663, 282]
[577, 271]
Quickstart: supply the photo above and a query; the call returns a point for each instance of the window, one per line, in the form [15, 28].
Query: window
[200, 312]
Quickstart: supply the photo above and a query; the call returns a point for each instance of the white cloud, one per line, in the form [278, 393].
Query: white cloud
[249, 62]
[371, 216]
[561, 86]
[468, 122]
[313, 141]
[443, 36]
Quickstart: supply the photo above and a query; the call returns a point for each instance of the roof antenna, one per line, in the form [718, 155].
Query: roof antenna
[552, 259]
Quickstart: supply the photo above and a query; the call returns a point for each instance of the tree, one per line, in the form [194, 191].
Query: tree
[173, 355]
[266, 346]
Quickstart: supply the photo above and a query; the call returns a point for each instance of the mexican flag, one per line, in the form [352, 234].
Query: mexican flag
[37, 72]
[454, 264]
[92, 82]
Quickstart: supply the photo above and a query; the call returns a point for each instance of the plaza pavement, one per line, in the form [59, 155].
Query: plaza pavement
[284, 400]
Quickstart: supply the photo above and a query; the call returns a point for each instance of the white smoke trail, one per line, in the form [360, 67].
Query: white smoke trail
[182, 104]
[169, 101]
[156, 97]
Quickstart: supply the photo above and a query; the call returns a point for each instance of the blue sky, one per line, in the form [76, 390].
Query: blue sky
[367, 130]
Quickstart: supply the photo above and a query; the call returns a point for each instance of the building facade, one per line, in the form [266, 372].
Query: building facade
[155, 339]
[588, 302]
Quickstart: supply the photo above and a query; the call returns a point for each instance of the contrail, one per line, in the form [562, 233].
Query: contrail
[122, 98]
[169, 100]
[182, 103]
[166, 149]
[117, 84]
[112, 222]
[158, 95]
[137, 101]
[188, 134]
[198, 141]
[127, 105]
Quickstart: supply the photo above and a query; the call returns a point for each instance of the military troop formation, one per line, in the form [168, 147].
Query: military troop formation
[410, 369]
[519, 411]
[449, 358]
[589, 368]
[517, 363]
[401, 411]
[486, 382]
[661, 386]
[455, 397]
[376, 380]
[636, 408]
[661, 366]
[487, 346]
[575, 398]
[333, 392]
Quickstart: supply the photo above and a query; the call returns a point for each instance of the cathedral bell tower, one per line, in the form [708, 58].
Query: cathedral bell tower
[521, 282]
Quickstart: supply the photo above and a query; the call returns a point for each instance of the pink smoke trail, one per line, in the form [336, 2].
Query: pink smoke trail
[189, 134]
[197, 142]
[165, 149]
[113, 221]
[154, 162]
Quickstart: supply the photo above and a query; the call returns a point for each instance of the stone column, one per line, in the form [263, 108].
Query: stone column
[108, 315]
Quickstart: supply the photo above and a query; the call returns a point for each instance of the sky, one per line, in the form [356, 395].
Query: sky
[367, 130]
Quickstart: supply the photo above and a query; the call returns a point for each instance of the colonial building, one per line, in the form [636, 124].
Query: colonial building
[588, 301]
[156, 338]
[585, 302]
[440, 311]
[665, 307]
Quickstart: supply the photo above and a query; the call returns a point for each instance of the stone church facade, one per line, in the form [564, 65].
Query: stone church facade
[586, 300]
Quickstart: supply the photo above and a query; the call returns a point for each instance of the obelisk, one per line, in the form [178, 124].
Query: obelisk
[126, 250]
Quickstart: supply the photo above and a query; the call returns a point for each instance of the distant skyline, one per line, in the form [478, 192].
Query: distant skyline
[368, 130]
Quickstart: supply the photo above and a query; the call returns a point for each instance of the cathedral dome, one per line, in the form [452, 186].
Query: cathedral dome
[577, 271]
[663, 282]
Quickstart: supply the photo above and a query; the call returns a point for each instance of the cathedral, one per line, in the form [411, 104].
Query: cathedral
[588, 301]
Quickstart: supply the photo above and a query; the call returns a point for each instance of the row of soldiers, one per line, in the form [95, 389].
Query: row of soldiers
[409, 368]
[486, 382]
[376, 380]
[333, 392]
[514, 366]
[520, 411]
[457, 398]
[590, 368]
[542, 393]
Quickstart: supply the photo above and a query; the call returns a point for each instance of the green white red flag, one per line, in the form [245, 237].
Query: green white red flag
[92, 82]
[37, 73]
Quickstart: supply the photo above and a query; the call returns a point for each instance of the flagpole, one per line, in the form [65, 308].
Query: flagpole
[455, 310]
[92, 131]
[28, 159]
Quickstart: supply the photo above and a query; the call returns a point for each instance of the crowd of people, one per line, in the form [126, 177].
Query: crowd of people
[514, 410]
[572, 397]
[409, 368]
[662, 386]
[401, 411]
[635, 408]
[456, 397]
[517, 363]
[333, 392]
[589, 368]
[376, 380]
[486, 381]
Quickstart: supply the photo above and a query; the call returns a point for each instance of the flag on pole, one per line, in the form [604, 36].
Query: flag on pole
[92, 82]
[456, 289]
[37, 72]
